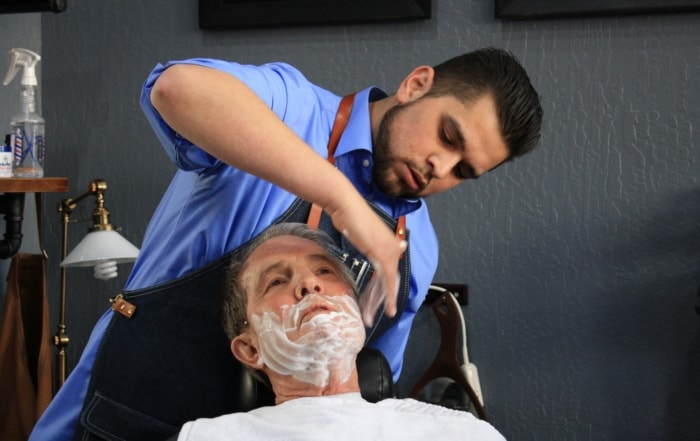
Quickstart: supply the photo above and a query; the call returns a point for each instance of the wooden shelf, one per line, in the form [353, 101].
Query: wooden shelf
[33, 185]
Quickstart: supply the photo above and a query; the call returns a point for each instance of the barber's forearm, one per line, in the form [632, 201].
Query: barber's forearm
[223, 116]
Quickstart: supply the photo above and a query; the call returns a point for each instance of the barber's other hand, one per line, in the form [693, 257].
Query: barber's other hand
[373, 238]
[375, 294]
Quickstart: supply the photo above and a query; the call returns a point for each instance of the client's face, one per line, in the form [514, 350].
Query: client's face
[303, 313]
[285, 269]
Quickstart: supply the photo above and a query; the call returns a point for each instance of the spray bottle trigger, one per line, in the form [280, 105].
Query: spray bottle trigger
[26, 59]
[12, 71]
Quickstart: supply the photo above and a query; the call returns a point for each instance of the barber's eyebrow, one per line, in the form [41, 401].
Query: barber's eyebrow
[455, 130]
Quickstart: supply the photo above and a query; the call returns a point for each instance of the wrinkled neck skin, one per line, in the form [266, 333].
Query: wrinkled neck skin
[311, 354]
[288, 388]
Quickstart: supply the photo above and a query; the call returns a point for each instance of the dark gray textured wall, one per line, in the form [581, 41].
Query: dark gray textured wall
[582, 258]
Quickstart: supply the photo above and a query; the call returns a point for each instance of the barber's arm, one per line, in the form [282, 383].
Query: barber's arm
[207, 106]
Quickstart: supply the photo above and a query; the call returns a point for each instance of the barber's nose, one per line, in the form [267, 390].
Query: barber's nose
[308, 284]
[443, 163]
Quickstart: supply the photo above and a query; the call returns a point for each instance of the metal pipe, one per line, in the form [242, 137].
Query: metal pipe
[12, 206]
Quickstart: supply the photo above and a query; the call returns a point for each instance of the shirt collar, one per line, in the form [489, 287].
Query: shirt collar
[357, 139]
[358, 134]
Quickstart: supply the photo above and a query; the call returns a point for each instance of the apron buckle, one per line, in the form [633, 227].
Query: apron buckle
[122, 306]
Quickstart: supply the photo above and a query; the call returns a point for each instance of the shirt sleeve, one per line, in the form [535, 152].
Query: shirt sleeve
[272, 82]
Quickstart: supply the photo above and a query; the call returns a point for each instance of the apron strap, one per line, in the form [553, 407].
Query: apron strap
[341, 121]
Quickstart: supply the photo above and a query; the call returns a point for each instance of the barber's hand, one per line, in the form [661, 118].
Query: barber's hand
[375, 294]
[373, 238]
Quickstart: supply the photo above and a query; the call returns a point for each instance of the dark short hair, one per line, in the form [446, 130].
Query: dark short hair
[498, 73]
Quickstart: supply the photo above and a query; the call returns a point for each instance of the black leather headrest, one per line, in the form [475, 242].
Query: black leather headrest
[376, 381]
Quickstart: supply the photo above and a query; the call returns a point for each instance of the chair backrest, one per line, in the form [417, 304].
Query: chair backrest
[376, 382]
[446, 364]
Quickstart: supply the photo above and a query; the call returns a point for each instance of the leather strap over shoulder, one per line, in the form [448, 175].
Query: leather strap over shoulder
[341, 120]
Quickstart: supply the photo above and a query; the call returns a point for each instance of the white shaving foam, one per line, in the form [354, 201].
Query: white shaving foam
[311, 352]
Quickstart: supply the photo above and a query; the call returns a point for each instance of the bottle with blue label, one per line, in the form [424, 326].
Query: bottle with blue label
[27, 137]
[6, 157]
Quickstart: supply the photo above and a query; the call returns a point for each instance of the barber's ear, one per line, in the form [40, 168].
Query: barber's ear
[416, 84]
[245, 351]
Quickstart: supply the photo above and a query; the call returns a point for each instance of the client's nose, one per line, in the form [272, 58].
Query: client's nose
[308, 284]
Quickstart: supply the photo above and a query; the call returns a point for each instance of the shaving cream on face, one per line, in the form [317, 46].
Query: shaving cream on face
[312, 351]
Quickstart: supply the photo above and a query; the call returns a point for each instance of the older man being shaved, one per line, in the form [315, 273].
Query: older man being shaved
[291, 312]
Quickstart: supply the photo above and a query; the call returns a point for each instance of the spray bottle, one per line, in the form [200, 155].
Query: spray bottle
[27, 124]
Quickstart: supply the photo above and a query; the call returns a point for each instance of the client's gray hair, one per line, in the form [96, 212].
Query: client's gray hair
[234, 300]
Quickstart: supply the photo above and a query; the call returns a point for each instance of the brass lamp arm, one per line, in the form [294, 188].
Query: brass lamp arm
[100, 217]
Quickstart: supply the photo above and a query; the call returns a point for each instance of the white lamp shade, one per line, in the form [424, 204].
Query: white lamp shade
[98, 246]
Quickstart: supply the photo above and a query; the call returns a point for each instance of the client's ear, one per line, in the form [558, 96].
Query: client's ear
[245, 351]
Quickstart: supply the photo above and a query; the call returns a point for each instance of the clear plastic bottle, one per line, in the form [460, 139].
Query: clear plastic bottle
[27, 125]
[28, 137]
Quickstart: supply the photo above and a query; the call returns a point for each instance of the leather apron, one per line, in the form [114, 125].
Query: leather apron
[170, 361]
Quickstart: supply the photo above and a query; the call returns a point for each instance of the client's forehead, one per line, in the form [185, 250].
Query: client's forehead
[280, 247]
[279, 250]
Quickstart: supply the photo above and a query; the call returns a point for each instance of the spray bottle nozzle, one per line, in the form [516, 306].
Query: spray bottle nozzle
[26, 59]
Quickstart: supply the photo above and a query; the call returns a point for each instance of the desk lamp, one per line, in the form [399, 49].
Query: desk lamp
[102, 248]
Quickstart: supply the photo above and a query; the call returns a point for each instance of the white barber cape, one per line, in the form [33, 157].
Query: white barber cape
[343, 417]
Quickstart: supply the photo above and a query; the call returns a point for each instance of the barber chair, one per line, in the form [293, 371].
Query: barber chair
[374, 372]
[461, 390]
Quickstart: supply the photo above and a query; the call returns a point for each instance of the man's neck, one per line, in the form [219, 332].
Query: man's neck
[377, 109]
[287, 388]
